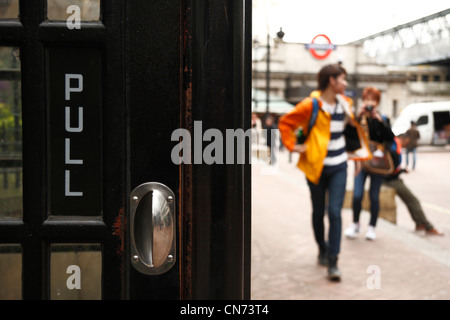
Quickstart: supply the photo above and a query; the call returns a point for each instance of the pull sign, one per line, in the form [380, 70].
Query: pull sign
[74, 108]
[152, 228]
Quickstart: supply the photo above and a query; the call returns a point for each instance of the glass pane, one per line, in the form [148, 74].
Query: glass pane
[9, 9]
[75, 272]
[10, 134]
[10, 272]
[88, 10]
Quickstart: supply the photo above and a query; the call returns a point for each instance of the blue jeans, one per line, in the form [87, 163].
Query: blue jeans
[414, 154]
[334, 183]
[374, 194]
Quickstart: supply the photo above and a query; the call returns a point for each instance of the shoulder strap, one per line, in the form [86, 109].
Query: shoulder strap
[347, 106]
[365, 126]
[315, 112]
[312, 120]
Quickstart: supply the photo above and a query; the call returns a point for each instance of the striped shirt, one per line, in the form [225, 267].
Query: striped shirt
[337, 156]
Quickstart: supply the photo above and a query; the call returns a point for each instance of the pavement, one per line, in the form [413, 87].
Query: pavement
[401, 264]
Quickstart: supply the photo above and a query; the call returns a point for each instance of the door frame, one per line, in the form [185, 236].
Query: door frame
[216, 199]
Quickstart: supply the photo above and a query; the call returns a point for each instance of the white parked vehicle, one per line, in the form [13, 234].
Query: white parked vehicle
[432, 120]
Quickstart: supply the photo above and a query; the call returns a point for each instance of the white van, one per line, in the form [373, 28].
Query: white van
[432, 120]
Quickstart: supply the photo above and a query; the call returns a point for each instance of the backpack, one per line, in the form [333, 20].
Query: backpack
[301, 137]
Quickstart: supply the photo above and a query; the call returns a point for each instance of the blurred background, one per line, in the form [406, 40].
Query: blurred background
[400, 47]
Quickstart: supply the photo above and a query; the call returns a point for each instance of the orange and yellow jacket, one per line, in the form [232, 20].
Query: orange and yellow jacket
[311, 161]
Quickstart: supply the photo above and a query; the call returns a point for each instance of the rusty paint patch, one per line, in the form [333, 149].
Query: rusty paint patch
[119, 230]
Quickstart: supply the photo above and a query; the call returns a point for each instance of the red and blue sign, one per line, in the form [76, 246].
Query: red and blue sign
[314, 47]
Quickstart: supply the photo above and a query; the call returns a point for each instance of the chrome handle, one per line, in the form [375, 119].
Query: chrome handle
[152, 228]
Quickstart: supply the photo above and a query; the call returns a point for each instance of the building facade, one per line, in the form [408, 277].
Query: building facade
[291, 71]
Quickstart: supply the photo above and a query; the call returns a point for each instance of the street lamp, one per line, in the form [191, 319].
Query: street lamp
[280, 35]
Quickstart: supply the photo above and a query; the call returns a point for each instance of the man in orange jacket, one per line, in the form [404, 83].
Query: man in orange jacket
[324, 155]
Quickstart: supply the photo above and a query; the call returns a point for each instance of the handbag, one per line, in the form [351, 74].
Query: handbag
[381, 162]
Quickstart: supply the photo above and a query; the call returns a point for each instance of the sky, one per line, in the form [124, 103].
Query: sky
[343, 21]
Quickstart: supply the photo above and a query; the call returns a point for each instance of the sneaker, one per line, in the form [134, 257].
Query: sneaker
[370, 234]
[420, 227]
[435, 232]
[333, 272]
[351, 231]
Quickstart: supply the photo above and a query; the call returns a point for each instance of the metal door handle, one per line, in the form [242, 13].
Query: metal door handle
[152, 228]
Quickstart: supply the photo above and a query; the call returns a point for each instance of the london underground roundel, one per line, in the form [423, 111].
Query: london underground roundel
[314, 47]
